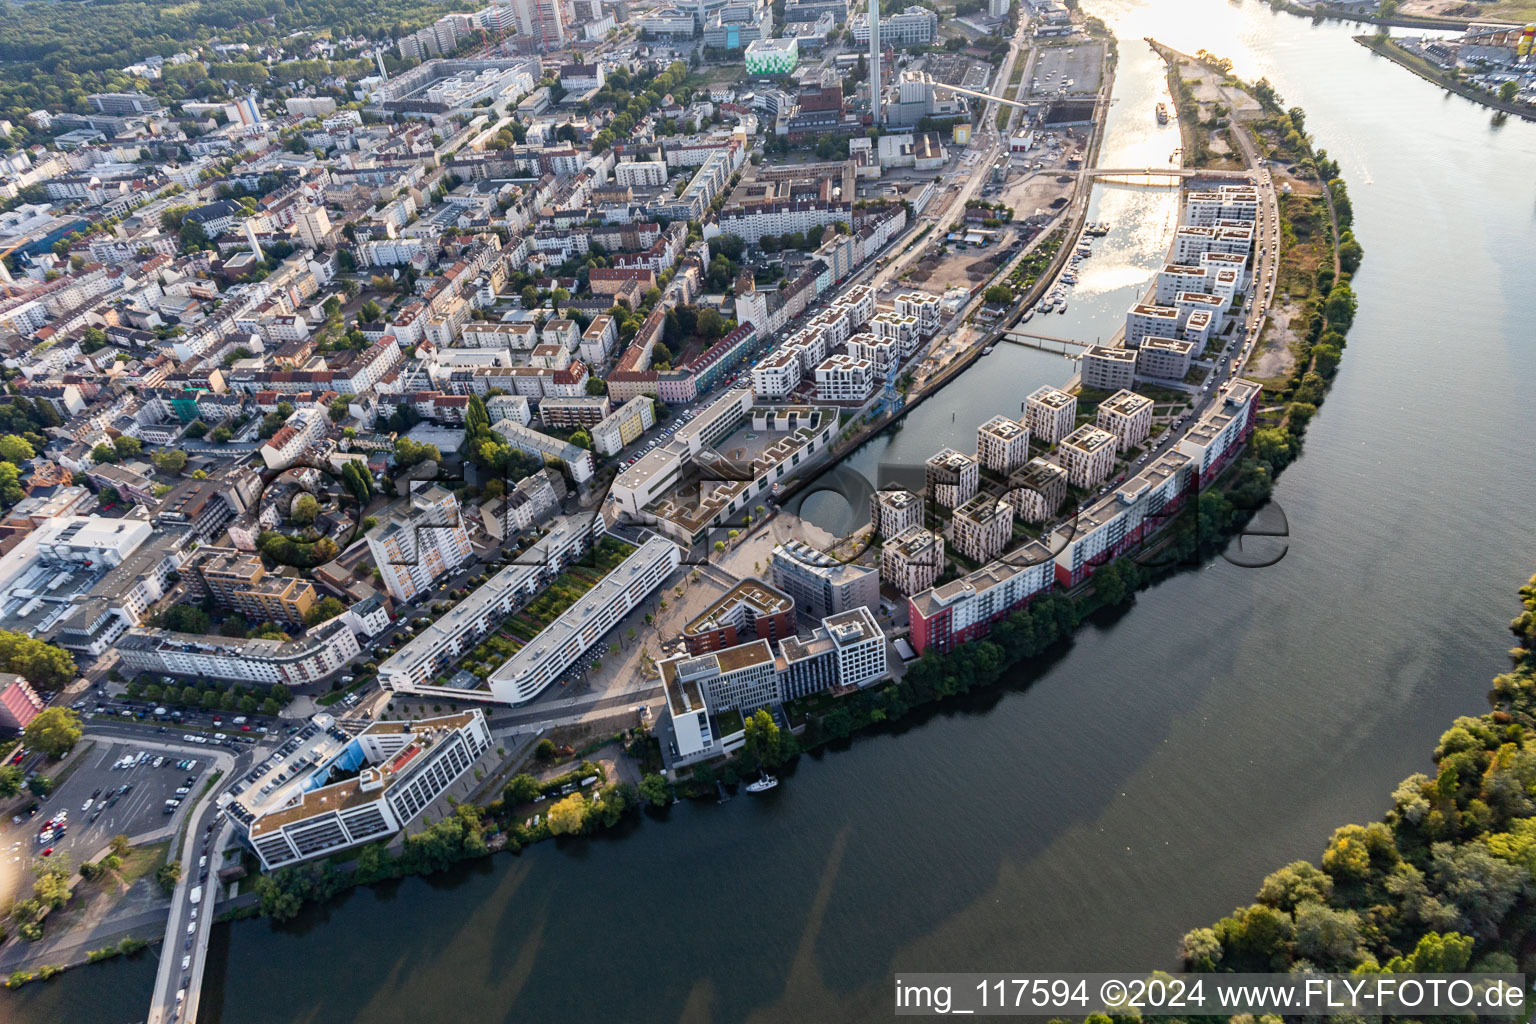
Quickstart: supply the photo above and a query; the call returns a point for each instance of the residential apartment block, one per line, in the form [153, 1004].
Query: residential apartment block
[1002, 444]
[750, 609]
[952, 477]
[1050, 414]
[912, 560]
[1128, 416]
[415, 546]
[981, 527]
[1108, 369]
[1037, 491]
[1088, 455]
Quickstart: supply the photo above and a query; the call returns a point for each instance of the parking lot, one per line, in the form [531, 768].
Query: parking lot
[1056, 66]
[99, 800]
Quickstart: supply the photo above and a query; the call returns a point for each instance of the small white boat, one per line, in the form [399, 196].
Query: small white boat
[762, 785]
[1063, 307]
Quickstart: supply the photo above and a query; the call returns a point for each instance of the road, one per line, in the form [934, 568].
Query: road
[188, 925]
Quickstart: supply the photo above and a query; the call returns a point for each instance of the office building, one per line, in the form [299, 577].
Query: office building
[915, 26]
[1128, 416]
[772, 56]
[386, 777]
[1050, 414]
[912, 560]
[1088, 455]
[1002, 444]
[418, 544]
[751, 609]
[820, 584]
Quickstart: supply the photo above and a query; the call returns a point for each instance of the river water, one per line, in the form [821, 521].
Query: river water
[1137, 784]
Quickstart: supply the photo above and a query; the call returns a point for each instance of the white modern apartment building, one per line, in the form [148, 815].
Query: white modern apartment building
[1050, 414]
[893, 510]
[1144, 321]
[1088, 454]
[923, 308]
[912, 560]
[316, 657]
[1174, 278]
[903, 329]
[1229, 202]
[417, 545]
[844, 378]
[1128, 416]
[412, 668]
[402, 768]
[623, 425]
[1108, 369]
[640, 173]
[777, 374]
[951, 477]
[982, 527]
[1164, 358]
[1190, 243]
[1002, 444]
[557, 647]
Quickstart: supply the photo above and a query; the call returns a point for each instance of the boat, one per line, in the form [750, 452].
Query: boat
[762, 785]
[1027, 317]
[1063, 307]
[1097, 228]
[1162, 113]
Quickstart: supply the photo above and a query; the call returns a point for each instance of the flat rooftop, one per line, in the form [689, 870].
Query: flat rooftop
[759, 596]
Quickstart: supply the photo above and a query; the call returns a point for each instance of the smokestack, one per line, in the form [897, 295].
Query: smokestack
[874, 59]
[378, 55]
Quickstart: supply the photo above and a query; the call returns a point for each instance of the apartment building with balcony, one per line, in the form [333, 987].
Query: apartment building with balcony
[1037, 491]
[1128, 416]
[1108, 369]
[417, 544]
[982, 527]
[1088, 455]
[1050, 414]
[752, 609]
[965, 609]
[912, 560]
[893, 510]
[1002, 444]
[952, 477]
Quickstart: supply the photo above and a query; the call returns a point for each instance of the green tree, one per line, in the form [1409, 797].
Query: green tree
[168, 875]
[327, 608]
[170, 460]
[523, 789]
[998, 295]
[545, 751]
[304, 510]
[11, 779]
[15, 449]
[370, 312]
[40, 785]
[656, 790]
[103, 453]
[128, 446]
[596, 386]
[762, 739]
[1508, 91]
[54, 731]
[567, 816]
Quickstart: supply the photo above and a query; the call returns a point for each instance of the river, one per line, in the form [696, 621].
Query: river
[1136, 785]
